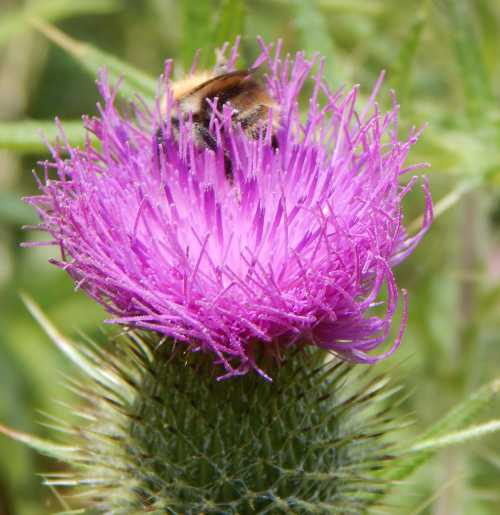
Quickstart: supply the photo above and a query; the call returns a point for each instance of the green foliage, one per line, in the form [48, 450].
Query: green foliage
[457, 437]
[16, 21]
[407, 53]
[29, 136]
[94, 61]
[477, 88]
[449, 430]
[214, 21]
[314, 37]
[230, 21]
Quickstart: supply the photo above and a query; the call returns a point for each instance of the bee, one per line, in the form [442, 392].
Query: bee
[197, 96]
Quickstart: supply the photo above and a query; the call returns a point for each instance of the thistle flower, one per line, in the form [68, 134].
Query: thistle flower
[296, 249]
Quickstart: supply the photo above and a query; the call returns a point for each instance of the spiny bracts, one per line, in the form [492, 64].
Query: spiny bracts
[160, 435]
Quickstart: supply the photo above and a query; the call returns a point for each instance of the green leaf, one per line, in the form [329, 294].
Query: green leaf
[15, 212]
[466, 185]
[197, 19]
[64, 344]
[490, 36]
[406, 58]
[314, 36]
[94, 60]
[26, 136]
[358, 7]
[363, 7]
[457, 437]
[475, 79]
[207, 26]
[229, 22]
[466, 412]
[463, 414]
[51, 10]
[449, 200]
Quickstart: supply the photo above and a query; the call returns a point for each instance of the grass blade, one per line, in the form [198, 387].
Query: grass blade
[15, 212]
[475, 78]
[406, 58]
[207, 26]
[459, 417]
[25, 136]
[51, 10]
[197, 19]
[488, 20]
[230, 22]
[356, 7]
[449, 200]
[457, 437]
[314, 36]
[64, 344]
[93, 60]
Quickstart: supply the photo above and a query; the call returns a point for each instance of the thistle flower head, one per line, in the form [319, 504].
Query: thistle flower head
[296, 248]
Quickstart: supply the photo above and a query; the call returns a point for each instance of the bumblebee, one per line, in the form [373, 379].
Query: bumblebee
[197, 96]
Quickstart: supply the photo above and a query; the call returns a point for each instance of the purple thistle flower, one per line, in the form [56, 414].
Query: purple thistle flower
[296, 249]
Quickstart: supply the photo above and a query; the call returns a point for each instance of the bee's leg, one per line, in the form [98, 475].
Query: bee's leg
[252, 122]
[211, 143]
[175, 126]
[207, 138]
[158, 141]
[160, 135]
[228, 167]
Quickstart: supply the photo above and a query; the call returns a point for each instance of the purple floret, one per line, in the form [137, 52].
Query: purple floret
[297, 248]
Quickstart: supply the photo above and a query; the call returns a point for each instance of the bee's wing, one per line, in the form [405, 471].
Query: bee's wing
[226, 84]
[222, 82]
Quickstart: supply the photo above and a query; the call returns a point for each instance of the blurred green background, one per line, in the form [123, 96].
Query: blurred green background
[441, 56]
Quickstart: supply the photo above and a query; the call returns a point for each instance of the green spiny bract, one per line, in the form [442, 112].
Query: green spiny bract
[164, 436]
